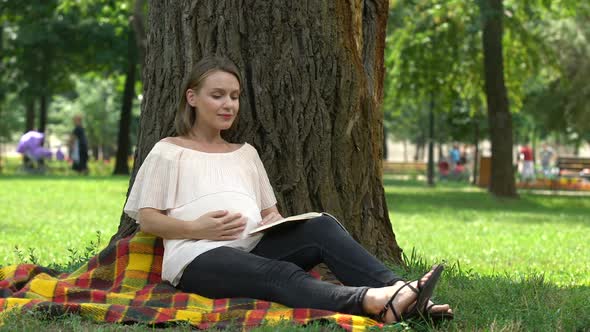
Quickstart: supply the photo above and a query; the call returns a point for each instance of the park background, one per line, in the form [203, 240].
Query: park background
[519, 259]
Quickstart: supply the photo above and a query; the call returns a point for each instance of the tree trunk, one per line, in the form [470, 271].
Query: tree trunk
[422, 149]
[431, 142]
[476, 153]
[384, 144]
[43, 113]
[405, 150]
[313, 79]
[30, 114]
[123, 140]
[138, 23]
[499, 118]
[95, 152]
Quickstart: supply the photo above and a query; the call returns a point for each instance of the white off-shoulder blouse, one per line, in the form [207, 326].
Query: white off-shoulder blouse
[188, 183]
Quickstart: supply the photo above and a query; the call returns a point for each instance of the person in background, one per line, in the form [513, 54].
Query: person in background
[463, 155]
[79, 147]
[454, 156]
[528, 163]
[34, 153]
[547, 155]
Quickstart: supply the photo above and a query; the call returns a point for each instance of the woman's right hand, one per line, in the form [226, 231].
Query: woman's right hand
[218, 226]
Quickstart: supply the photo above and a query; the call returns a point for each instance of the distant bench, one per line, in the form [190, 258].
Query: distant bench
[573, 166]
[404, 167]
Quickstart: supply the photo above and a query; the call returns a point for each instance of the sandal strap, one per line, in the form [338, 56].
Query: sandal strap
[389, 304]
[430, 307]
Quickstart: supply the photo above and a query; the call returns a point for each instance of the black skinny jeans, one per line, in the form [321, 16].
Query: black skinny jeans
[275, 269]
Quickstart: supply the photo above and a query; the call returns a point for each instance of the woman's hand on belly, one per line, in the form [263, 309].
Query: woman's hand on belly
[218, 226]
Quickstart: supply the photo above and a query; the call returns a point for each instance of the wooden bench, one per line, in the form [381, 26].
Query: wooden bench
[404, 167]
[572, 167]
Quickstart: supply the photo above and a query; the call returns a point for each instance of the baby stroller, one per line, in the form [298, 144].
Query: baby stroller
[34, 154]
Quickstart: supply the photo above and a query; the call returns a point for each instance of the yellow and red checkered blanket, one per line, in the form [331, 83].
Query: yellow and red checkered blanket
[122, 284]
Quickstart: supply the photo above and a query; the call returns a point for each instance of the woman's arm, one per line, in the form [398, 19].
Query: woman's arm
[270, 214]
[215, 225]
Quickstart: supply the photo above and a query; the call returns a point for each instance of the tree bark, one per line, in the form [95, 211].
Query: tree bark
[138, 22]
[123, 140]
[384, 144]
[499, 118]
[312, 89]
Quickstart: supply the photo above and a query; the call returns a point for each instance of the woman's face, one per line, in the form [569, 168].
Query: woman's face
[217, 101]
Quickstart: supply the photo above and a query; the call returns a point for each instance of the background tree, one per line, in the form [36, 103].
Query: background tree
[127, 19]
[557, 101]
[45, 47]
[500, 120]
[71, 42]
[313, 75]
[445, 40]
[135, 51]
[431, 53]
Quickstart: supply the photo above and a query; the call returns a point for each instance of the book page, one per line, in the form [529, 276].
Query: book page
[304, 216]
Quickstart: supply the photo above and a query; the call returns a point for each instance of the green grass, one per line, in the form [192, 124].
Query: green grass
[51, 214]
[517, 265]
[13, 166]
[513, 265]
[534, 234]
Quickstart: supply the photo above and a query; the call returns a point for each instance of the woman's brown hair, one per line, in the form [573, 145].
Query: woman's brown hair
[186, 114]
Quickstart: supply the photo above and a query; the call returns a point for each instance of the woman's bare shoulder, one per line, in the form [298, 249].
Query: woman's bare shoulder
[236, 146]
[171, 139]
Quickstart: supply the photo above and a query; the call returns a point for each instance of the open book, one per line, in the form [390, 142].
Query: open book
[298, 217]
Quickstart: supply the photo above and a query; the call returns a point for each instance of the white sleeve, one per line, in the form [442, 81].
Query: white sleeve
[267, 196]
[155, 185]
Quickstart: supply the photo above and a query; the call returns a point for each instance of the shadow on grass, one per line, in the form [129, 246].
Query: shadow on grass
[415, 197]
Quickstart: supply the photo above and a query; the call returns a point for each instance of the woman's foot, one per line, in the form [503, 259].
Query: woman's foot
[404, 298]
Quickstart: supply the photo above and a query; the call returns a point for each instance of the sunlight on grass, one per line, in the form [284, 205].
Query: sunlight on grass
[534, 234]
[452, 222]
[513, 265]
[53, 214]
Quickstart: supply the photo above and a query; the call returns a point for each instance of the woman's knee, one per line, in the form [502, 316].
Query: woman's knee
[324, 223]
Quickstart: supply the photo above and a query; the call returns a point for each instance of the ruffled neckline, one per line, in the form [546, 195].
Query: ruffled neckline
[234, 152]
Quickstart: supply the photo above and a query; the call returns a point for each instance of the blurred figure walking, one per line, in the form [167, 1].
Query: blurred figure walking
[547, 155]
[79, 147]
[528, 163]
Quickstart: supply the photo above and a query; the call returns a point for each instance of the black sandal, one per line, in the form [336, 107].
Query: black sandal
[438, 316]
[389, 304]
[424, 293]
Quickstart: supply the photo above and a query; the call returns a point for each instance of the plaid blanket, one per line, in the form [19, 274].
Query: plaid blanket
[122, 284]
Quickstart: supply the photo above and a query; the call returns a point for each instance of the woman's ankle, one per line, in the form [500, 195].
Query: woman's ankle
[376, 298]
[371, 301]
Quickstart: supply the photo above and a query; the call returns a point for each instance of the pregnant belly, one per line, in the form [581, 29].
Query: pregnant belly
[233, 202]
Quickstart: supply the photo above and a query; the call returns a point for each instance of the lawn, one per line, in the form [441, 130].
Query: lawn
[513, 265]
[534, 234]
[46, 216]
